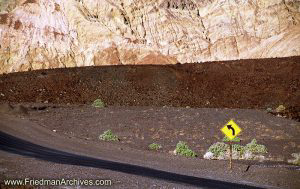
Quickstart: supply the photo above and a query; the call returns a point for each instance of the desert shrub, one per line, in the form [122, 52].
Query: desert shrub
[108, 136]
[98, 103]
[183, 149]
[238, 149]
[296, 160]
[280, 109]
[255, 148]
[236, 139]
[154, 146]
[218, 149]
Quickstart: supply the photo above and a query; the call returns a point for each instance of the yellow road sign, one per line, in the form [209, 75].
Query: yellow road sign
[231, 130]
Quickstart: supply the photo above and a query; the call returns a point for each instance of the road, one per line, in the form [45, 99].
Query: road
[19, 146]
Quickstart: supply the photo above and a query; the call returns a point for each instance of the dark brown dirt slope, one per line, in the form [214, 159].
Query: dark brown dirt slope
[234, 84]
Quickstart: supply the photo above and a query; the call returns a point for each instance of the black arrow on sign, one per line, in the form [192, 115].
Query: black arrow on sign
[229, 127]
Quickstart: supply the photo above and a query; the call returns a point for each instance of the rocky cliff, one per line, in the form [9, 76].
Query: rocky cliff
[37, 34]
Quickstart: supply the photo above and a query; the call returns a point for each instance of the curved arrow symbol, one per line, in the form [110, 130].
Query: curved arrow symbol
[231, 128]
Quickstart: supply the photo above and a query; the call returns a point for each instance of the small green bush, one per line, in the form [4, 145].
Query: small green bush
[280, 109]
[236, 139]
[218, 149]
[255, 148]
[98, 103]
[183, 149]
[154, 146]
[296, 160]
[269, 110]
[239, 149]
[108, 136]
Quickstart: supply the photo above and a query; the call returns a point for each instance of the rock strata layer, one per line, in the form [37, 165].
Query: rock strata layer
[42, 34]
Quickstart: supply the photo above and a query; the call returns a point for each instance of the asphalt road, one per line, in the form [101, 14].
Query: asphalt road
[19, 146]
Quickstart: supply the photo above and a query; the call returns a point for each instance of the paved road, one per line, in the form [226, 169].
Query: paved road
[19, 146]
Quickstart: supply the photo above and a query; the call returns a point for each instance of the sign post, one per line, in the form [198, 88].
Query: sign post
[230, 155]
[231, 130]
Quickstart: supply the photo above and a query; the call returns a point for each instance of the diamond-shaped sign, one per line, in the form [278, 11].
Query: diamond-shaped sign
[231, 130]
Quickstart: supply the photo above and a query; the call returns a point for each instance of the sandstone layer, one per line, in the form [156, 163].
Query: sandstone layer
[42, 34]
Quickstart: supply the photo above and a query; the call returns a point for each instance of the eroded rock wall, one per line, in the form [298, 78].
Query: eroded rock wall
[37, 34]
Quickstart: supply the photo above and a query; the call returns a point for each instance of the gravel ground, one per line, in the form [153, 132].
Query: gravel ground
[139, 126]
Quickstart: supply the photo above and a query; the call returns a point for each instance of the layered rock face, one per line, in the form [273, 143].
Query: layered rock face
[40, 34]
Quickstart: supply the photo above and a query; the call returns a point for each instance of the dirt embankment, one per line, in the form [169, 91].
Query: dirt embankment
[234, 84]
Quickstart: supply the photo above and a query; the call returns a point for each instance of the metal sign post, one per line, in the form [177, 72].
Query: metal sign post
[230, 155]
